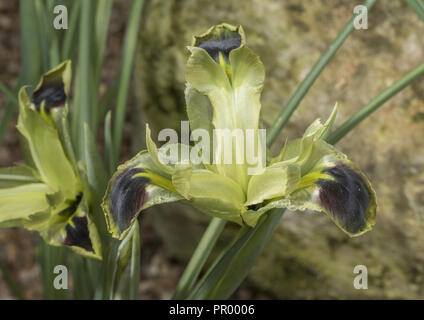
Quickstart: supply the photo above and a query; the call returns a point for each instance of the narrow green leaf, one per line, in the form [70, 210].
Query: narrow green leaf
[29, 42]
[95, 169]
[418, 7]
[134, 272]
[8, 111]
[102, 16]
[108, 143]
[5, 120]
[376, 103]
[126, 277]
[9, 94]
[43, 31]
[49, 257]
[83, 87]
[309, 80]
[69, 44]
[126, 71]
[218, 269]
[199, 257]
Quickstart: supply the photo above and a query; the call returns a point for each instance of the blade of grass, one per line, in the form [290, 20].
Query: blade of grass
[103, 12]
[199, 257]
[226, 277]
[30, 57]
[134, 272]
[5, 120]
[418, 7]
[49, 257]
[81, 107]
[214, 275]
[53, 35]
[94, 164]
[29, 43]
[43, 32]
[102, 15]
[125, 266]
[108, 143]
[126, 71]
[68, 45]
[307, 83]
[97, 179]
[9, 94]
[107, 100]
[8, 111]
[375, 103]
[83, 288]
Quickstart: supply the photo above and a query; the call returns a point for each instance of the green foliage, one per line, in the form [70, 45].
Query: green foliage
[42, 48]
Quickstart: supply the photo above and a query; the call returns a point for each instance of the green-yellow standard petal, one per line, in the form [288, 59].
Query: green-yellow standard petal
[53, 89]
[277, 181]
[47, 152]
[211, 193]
[223, 69]
[21, 202]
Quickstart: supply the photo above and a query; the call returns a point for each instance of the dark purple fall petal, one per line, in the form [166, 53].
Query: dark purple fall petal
[53, 95]
[127, 197]
[78, 235]
[346, 197]
[225, 46]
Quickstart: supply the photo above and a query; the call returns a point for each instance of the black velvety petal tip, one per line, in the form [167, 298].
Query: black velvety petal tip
[78, 234]
[347, 198]
[221, 38]
[53, 94]
[127, 197]
[225, 46]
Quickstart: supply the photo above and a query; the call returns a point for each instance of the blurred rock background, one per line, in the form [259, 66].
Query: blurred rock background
[308, 256]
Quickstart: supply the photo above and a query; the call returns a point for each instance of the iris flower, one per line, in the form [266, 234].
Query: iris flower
[48, 193]
[224, 80]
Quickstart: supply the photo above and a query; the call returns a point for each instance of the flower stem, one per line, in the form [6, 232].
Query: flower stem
[199, 257]
[375, 103]
[307, 83]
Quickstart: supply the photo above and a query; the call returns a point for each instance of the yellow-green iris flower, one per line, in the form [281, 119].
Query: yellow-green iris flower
[224, 83]
[48, 194]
